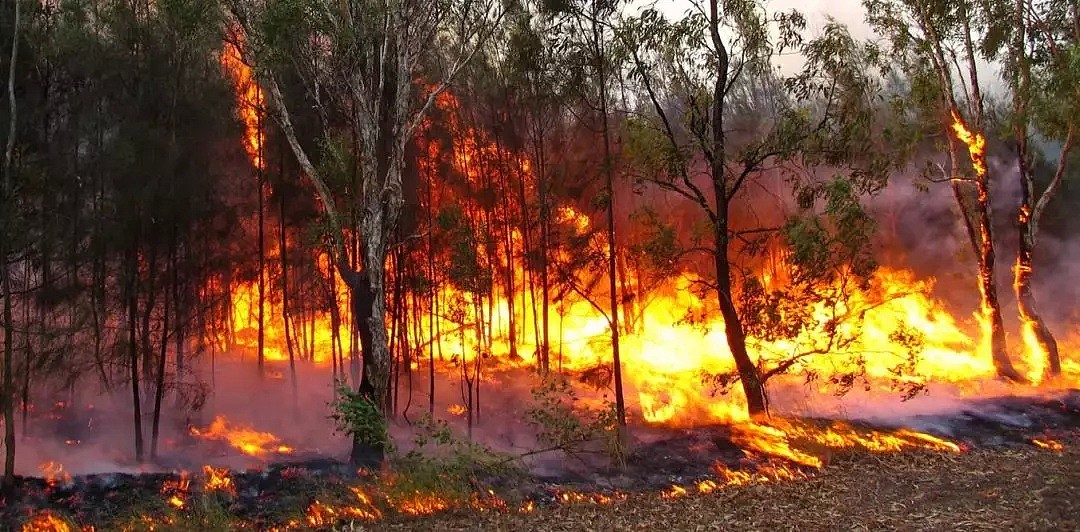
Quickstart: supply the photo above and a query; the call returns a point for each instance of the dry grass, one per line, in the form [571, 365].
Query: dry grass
[1000, 489]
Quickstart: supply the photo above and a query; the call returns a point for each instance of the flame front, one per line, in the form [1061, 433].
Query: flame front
[46, 521]
[665, 352]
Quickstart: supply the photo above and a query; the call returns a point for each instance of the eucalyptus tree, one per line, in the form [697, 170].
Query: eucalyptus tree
[1036, 43]
[362, 63]
[716, 118]
[935, 44]
[584, 35]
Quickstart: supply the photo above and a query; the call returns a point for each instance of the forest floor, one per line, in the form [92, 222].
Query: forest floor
[1016, 467]
[987, 489]
[998, 488]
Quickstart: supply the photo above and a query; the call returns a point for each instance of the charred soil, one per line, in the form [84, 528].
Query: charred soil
[1015, 464]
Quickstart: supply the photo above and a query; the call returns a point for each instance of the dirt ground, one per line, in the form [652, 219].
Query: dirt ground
[990, 489]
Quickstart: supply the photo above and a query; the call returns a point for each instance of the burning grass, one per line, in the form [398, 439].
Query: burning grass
[1000, 489]
[461, 485]
[984, 489]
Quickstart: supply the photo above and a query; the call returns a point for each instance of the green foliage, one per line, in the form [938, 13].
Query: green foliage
[358, 416]
[567, 426]
[837, 238]
[660, 248]
[465, 268]
[442, 463]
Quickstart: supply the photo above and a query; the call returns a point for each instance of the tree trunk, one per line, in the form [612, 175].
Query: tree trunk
[1042, 348]
[283, 245]
[133, 349]
[262, 276]
[7, 205]
[364, 319]
[609, 182]
[159, 388]
[749, 376]
[991, 308]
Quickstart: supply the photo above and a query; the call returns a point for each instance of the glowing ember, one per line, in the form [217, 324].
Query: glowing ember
[1046, 443]
[218, 479]
[46, 521]
[176, 490]
[247, 440]
[176, 502]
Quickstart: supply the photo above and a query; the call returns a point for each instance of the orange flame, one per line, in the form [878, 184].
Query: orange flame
[663, 352]
[320, 514]
[1048, 444]
[54, 473]
[249, 98]
[975, 142]
[218, 479]
[778, 438]
[46, 521]
[249, 441]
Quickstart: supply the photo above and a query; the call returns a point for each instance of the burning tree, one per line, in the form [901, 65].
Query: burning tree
[702, 88]
[928, 39]
[360, 62]
[1037, 62]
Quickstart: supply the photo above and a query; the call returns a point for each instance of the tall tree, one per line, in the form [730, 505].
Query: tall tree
[933, 41]
[696, 75]
[362, 60]
[7, 206]
[1036, 38]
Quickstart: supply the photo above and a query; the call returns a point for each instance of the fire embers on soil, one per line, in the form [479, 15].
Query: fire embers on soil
[669, 462]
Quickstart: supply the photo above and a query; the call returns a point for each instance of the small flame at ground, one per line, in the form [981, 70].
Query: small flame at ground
[1048, 444]
[46, 521]
[53, 473]
[249, 441]
[218, 479]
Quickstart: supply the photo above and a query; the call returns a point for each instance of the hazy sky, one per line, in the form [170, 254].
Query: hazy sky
[849, 12]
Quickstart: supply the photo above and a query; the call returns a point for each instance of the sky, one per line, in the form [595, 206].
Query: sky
[817, 13]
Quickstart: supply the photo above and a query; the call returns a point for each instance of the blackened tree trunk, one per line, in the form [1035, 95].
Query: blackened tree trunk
[133, 345]
[159, 385]
[7, 203]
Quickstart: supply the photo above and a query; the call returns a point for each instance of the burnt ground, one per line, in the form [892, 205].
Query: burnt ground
[1003, 481]
[1017, 488]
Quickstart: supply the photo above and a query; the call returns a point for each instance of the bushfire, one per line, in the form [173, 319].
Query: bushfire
[670, 336]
